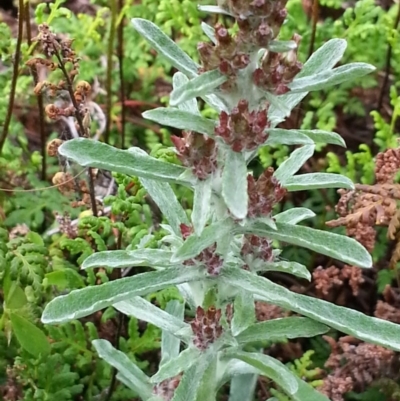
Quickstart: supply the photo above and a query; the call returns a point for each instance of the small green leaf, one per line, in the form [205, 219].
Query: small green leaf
[269, 367]
[305, 182]
[242, 387]
[203, 84]
[132, 162]
[166, 47]
[163, 195]
[297, 269]
[281, 46]
[234, 184]
[181, 119]
[337, 246]
[354, 323]
[279, 329]
[122, 259]
[326, 79]
[30, 337]
[209, 31]
[201, 204]
[178, 80]
[138, 381]
[83, 302]
[244, 313]
[16, 298]
[35, 238]
[293, 163]
[294, 215]
[214, 10]
[65, 278]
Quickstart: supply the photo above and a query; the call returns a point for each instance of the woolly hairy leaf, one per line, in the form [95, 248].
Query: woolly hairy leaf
[138, 381]
[278, 329]
[325, 79]
[304, 182]
[83, 302]
[163, 195]
[214, 10]
[297, 269]
[293, 163]
[196, 87]
[234, 184]
[181, 119]
[178, 80]
[244, 314]
[302, 137]
[281, 46]
[349, 321]
[165, 46]
[242, 387]
[201, 204]
[209, 31]
[337, 246]
[123, 259]
[294, 215]
[132, 162]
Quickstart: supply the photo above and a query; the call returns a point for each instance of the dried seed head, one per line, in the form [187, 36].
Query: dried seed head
[52, 147]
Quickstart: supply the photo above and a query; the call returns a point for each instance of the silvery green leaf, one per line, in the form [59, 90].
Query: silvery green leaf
[234, 184]
[244, 313]
[201, 204]
[326, 79]
[170, 344]
[166, 47]
[293, 163]
[325, 58]
[209, 32]
[303, 137]
[214, 10]
[146, 311]
[216, 102]
[346, 320]
[122, 259]
[294, 215]
[163, 195]
[297, 269]
[203, 84]
[190, 106]
[304, 182]
[277, 101]
[181, 119]
[192, 378]
[242, 387]
[208, 388]
[182, 362]
[89, 153]
[337, 246]
[85, 301]
[138, 381]
[269, 367]
[276, 330]
[281, 46]
[194, 244]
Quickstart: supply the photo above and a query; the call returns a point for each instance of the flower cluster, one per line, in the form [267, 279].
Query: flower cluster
[206, 327]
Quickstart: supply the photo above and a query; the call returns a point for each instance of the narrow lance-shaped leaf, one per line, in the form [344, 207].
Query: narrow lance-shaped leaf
[281, 46]
[294, 215]
[209, 32]
[138, 381]
[190, 106]
[88, 153]
[244, 314]
[163, 195]
[300, 136]
[328, 78]
[349, 321]
[297, 269]
[181, 119]
[122, 259]
[293, 163]
[242, 387]
[165, 46]
[214, 10]
[304, 182]
[83, 302]
[283, 328]
[201, 205]
[337, 246]
[234, 184]
[203, 84]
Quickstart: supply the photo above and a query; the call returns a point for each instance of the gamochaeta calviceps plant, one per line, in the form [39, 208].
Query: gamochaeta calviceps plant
[215, 257]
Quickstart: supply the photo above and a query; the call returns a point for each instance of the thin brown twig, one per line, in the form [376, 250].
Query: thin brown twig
[81, 127]
[113, 5]
[39, 96]
[121, 73]
[387, 63]
[17, 59]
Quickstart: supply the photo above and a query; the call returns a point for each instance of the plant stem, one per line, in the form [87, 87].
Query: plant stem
[388, 59]
[113, 6]
[121, 74]
[39, 96]
[17, 58]
[81, 127]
